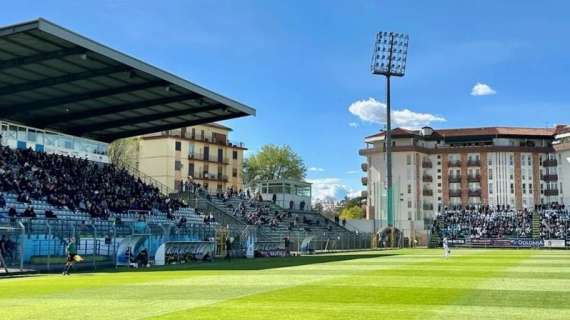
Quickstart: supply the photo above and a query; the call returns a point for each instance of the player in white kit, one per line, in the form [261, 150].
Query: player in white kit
[446, 250]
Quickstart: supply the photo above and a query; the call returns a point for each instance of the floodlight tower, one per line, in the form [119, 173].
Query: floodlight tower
[389, 59]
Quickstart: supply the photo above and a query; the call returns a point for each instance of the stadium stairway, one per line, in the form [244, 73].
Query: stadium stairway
[276, 234]
[435, 238]
[536, 225]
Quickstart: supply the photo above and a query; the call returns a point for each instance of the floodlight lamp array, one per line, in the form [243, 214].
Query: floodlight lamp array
[390, 54]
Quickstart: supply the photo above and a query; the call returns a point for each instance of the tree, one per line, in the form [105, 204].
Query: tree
[318, 207]
[274, 163]
[353, 212]
[123, 152]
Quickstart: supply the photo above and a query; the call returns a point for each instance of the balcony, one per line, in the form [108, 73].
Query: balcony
[455, 193]
[551, 192]
[550, 177]
[454, 163]
[427, 164]
[474, 178]
[427, 206]
[364, 181]
[210, 158]
[427, 193]
[213, 140]
[364, 167]
[550, 163]
[454, 179]
[474, 192]
[474, 163]
[210, 177]
[427, 178]
[235, 144]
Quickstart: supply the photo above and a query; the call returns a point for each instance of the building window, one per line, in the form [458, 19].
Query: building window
[409, 188]
[177, 165]
[408, 159]
[234, 172]
[178, 146]
[234, 155]
[409, 204]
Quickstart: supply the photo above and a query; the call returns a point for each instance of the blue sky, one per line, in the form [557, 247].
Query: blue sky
[302, 64]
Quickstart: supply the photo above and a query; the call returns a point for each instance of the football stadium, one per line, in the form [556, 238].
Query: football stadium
[122, 197]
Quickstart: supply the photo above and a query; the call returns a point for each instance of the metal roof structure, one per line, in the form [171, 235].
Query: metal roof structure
[52, 78]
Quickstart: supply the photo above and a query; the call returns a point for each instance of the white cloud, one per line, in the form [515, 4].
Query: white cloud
[353, 125]
[481, 89]
[374, 111]
[354, 194]
[316, 169]
[352, 172]
[330, 189]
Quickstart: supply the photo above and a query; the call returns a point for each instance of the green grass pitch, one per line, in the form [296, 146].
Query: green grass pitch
[403, 284]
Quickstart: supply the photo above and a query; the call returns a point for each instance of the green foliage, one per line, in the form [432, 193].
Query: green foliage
[347, 203]
[318, 207]
[274, 163]
[352, 212]
[123, 152]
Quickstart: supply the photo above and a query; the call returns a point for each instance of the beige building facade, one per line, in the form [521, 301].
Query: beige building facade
[201, 153]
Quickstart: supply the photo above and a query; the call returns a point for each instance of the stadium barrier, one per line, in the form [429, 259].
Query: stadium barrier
[522, 243]
[40, 243]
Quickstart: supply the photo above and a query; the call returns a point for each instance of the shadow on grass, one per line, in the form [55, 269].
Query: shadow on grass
[258, 263]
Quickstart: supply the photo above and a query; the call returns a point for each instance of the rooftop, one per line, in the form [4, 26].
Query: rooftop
[475, 132]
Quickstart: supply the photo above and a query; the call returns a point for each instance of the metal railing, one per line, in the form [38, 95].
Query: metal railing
[454, 179]
[473, 163]
[550, 177]
[163, 189]
[454, 163]
[210, 158]
[474, 178]
[551, 192]
[210, 177]
[550, 163]
[455, 193]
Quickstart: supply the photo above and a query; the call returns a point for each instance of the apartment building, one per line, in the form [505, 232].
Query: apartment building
[496, 166]
[202, 152]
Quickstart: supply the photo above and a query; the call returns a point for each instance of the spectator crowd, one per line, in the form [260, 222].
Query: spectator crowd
[76, 184]
[485, 222]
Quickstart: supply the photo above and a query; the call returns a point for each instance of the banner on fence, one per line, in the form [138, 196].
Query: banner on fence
[527, 243]
[504, 243]
[554, 243]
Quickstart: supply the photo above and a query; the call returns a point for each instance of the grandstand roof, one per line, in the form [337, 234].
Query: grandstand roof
[53, 78]
[474, 132]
